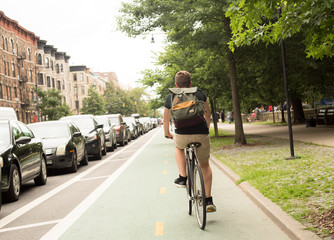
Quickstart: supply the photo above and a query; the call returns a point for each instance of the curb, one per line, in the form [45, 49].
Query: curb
[294, 229]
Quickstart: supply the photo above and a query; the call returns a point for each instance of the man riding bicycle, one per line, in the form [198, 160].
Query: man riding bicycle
[188, 134]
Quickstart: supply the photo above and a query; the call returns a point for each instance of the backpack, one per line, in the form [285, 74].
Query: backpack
[185, 106]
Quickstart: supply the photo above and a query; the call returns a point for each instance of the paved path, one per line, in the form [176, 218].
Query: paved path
[140, 202]
[319, 135]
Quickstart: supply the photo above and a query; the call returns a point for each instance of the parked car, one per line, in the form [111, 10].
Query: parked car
[154, 122]
[1, 165]
[122, 134]
[7, 113]
[109, 132]
[133, 127]
[23, 158]
[93, 133]
[146, 121]
[140, 126]
[63, 143]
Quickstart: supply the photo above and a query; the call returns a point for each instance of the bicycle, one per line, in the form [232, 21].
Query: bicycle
[195, 185]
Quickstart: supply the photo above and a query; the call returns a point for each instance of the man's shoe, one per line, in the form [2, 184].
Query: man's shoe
[181, 182]
[210, 207]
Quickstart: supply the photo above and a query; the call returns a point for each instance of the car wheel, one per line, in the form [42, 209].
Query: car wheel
[104, 149]
[74, 167]
[84, 161]
[14, 185]
[98, 156]
[42, 177]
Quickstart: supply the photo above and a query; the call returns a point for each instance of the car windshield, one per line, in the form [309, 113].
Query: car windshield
[84, 123]
[115, 121]
[4, 136]
[102, 120]
[49, 131]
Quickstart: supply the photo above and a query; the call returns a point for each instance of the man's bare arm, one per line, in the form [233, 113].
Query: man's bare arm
[166, 123]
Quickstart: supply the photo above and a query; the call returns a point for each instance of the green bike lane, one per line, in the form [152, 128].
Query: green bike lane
[139, 201]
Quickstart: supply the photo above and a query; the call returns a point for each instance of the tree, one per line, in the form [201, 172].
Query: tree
[256, 20]
[94, 103]
[201, 24]
[51, 105]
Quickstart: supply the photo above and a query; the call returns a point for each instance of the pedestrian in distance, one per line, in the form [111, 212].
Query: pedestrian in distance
[193, 130]
[229, 117]
[222, 116]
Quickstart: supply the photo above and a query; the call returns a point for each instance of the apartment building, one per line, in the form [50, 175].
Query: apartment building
[18, 48]
[53, 70]
[109, 77]
[82, 78]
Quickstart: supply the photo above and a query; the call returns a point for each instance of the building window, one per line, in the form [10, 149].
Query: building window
[29, 54]
[58, 85]
[57, 68]
[1, 94]
[48, 81]
[63, 84]
[74, 76]
[81, 76]
[61, 68]
[13, 70]
[15, 92]
[12, 45]
[76, 90]
[5, 67]
[8, 69]
[40, 79]
[47, 62]
[6, 45]
[82, 90]
[53, 83]
[3, 43]
[30, 75]
[39, 59]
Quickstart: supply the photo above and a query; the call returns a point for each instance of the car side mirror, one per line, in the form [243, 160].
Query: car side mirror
[23, 140]
[77, 134]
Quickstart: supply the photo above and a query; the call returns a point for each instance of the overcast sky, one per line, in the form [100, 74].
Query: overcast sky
[86, 31]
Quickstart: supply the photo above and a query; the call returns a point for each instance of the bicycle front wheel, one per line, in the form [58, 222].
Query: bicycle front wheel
[199, 197]
[189, 187]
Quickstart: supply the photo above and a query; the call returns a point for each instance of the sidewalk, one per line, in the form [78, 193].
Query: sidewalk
[143, 203]
[318, 135]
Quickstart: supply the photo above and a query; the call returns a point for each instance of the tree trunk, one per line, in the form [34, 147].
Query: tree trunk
[298, 112]
[282, 113]
[239, 131]
[240, 138]
[214, 117]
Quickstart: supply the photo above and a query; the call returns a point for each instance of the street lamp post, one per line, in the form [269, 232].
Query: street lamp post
[286, 89]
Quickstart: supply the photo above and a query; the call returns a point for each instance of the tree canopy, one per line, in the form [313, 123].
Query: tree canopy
[257, 21]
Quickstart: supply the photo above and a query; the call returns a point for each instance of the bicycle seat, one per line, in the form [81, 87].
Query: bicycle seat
[194, 144]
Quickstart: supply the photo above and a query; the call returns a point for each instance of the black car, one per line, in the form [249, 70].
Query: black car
[23, 158]
[109, 132]
[64, 145]
[93, 133]
[122, 132]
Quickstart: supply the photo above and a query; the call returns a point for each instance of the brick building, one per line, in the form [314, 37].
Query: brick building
[18, 48]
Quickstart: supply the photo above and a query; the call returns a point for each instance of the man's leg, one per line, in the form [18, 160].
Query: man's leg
[181, 161]
[207, 175]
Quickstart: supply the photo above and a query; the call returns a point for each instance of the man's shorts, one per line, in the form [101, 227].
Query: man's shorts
[203, 152]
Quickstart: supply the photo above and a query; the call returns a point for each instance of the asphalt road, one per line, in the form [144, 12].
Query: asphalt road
[129, 194]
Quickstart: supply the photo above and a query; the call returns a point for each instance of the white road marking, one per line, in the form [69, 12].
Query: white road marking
[74, 215]
[11, 217]
[29, 226]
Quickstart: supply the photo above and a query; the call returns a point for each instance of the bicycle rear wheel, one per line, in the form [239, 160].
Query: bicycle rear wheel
[199, 197]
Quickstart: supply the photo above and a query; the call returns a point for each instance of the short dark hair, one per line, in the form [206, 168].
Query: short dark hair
[183, 79]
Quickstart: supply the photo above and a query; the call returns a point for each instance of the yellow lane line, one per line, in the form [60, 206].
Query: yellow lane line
[166, 155]
[165, 162]
[163, 190]
[159, 228]
[164, 172]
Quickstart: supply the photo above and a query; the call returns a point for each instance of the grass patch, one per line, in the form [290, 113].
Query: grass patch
[301, 186]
